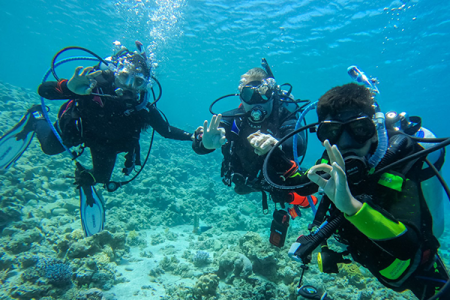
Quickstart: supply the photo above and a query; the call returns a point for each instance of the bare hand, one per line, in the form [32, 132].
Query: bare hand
[336, 188]
[214, 136]
[261, 142]
[84, 83]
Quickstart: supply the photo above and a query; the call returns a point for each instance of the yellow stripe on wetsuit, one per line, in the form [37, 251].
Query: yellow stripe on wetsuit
[377, 227]
[374, 225]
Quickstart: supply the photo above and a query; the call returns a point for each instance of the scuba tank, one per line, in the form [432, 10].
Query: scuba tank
[432, 188]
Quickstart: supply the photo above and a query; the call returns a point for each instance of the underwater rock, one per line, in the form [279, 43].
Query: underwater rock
[6, 260]
[27, 224]
[262, 255]
[248, 208]
[59, 184]
[103, 279]
[288, 275]
[234, 264]
[207, 242]
[22, 240]
[157, 239]
[184, 270]
[169, 264]
[206, 285]
[28, 291]
[96, 243]
[81, 249]
[7, 215]
[91, 294]
[59, 211]
[28, 260]
[133, 239]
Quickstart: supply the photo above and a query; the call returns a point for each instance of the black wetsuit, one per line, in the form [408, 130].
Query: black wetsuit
[241, 165]
[392, 234]
[107, 125]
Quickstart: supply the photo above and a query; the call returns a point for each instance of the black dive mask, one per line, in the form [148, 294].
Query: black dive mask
[257, 114]
[355, 168]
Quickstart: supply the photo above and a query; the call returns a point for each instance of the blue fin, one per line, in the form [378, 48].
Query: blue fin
[14, 143]
[92, 210]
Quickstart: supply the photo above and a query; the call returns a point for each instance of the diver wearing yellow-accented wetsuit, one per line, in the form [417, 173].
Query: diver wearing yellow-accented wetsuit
[387, 225]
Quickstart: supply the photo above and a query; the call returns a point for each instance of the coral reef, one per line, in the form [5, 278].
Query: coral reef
[201, 258]
[54, 270]
[206, 285]
[234, 264]
[148, 249]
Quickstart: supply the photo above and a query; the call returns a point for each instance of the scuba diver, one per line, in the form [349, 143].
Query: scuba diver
[108, 107]
[373, 203]
[246, 134]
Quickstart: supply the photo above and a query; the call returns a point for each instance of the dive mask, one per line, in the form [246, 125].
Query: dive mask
[258, 92]
[361, 129]
[130, 76]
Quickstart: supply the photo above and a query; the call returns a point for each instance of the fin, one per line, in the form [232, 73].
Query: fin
[92, 210]
[16, 141]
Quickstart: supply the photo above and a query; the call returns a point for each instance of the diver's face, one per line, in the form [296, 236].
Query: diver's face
[129, 77]
[354, 126]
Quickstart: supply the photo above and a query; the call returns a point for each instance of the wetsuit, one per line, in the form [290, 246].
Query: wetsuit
[391, 234]
[107, 125]
[241, 165]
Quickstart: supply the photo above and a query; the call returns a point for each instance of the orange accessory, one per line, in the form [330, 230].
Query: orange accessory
[302, 201]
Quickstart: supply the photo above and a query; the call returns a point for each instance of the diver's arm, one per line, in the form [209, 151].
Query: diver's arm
[395, 231]
[164, 128]
[55, 90]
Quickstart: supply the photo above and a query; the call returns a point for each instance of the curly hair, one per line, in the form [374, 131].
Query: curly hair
[347, 96]
[254, 74]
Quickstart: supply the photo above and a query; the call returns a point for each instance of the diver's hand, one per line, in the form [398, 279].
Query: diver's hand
[261, 142]
[336, 188]
[82, 84]
[198, 134]
[214, 136]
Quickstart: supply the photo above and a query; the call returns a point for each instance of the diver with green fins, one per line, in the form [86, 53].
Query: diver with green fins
[375, 175]
[267, 112]
[108, 106]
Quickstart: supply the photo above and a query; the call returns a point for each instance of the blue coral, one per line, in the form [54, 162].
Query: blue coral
[201, 258]
[54, 270]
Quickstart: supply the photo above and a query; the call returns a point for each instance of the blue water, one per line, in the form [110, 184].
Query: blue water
[202, 47]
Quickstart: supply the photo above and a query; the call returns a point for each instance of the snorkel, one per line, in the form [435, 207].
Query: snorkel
[379, 118]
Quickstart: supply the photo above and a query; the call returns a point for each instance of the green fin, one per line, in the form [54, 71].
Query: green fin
[92, 210]
[14, 143]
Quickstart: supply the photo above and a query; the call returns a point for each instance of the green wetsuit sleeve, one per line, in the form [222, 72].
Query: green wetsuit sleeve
[393, 228]
[375, 225]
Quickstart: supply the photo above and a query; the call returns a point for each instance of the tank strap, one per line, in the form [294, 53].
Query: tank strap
[428, 173]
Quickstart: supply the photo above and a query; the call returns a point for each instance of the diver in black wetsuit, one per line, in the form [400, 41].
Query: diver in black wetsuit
[106, 112]
[383, 219]
[247, 133]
